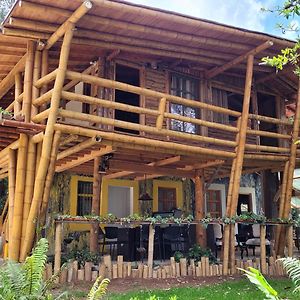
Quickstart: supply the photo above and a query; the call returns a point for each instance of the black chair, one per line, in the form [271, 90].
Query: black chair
[172, 237]
[110, 238]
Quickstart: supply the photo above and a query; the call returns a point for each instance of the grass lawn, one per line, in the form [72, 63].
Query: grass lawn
[240, 290]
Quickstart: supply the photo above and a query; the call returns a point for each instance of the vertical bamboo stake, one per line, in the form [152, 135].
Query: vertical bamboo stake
[18, 92]
[57, 253]
[38, 155]
[47, 143]
[27, 95]
[151, 249]
[94, 243]
[12, 162]
[14, 246]
[199, 210]
[263, 249]
[50, 174]
[36, 76]
[29, 183]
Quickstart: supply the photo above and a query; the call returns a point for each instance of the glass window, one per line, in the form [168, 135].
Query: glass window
[166, 199]
[214, 203]
[84, 198]
[188, 88]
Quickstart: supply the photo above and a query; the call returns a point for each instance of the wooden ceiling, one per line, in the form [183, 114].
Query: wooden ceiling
[141, 31]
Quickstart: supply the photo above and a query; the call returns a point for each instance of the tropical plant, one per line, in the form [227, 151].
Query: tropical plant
[25, 281]
[196, 252]
[261, 283]
[292, 267]
[99, 289]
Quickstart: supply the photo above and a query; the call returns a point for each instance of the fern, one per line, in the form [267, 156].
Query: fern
[99, 289]
[292, 267]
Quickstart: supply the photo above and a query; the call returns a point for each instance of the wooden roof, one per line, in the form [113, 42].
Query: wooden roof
[140, 30]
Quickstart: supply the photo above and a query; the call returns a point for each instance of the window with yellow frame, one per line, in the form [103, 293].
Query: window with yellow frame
[167, 195]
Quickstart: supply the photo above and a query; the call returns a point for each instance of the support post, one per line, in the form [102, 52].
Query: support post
[12, 162]
[57, 253]
[18, 92]
[47, 144]
[237, 165]
[36, 76]
[97, 181]
[28, 77]
[263, 262]
[290, 240]
[199, 210]
[14, 245]
[150, 249]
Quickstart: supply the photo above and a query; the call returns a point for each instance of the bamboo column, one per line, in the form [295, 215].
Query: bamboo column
[50, 174]
[28, 77]
[44, 72]
[263, 262]
[150, 249]
[36, 76]
[199, 210]
[290, 240]
[237, 166]
[18, 92]
[290, 174]
[97, 181]
[57, 250]
[12, 162]
[29, 184]
[14, 245]
[47, 143]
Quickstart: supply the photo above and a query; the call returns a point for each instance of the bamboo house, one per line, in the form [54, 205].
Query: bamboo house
[111, 101]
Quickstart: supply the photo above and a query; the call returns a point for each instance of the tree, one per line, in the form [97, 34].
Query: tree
[290, 11]
[5, 6]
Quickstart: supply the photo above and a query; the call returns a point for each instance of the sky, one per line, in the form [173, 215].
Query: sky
[241, 13]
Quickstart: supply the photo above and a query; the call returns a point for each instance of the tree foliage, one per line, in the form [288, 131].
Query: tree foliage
[289, 10]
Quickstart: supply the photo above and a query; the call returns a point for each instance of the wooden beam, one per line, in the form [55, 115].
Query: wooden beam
[76, 16]
[145, 169]
[163, 162]
[83, 159]
[7, 83]
[218, 70]
[205, 165]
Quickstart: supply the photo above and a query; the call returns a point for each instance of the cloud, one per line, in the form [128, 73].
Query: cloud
[243, 13]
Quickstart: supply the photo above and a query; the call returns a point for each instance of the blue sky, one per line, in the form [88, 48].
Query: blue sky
[240, 13]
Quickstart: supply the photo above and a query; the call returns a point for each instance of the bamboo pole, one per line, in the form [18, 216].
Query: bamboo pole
[150, 249]
[76, 16]
[45, 78]
[29, 184]
[50, 174]
[18, 91]
[14, 246]
[97, 182]
[47, 143]
[292, 164]
[12, 162]
[28, 80]
[145, 128]
[200, 209]
[36, 76]
[263, 263]
[57, 251]
[44, 72]
[290, 241]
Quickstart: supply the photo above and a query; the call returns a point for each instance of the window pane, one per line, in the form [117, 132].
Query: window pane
[84, 198]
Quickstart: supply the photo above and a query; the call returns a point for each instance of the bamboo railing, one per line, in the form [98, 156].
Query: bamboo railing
[160, 114]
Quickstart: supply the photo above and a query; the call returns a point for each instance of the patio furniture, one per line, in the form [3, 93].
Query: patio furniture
[218, 234]
[172, 236]
[111, 239]
[254, 240]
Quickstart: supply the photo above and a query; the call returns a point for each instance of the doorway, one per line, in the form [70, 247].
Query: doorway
[120, 201]
[244, 204]
[130, 76]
